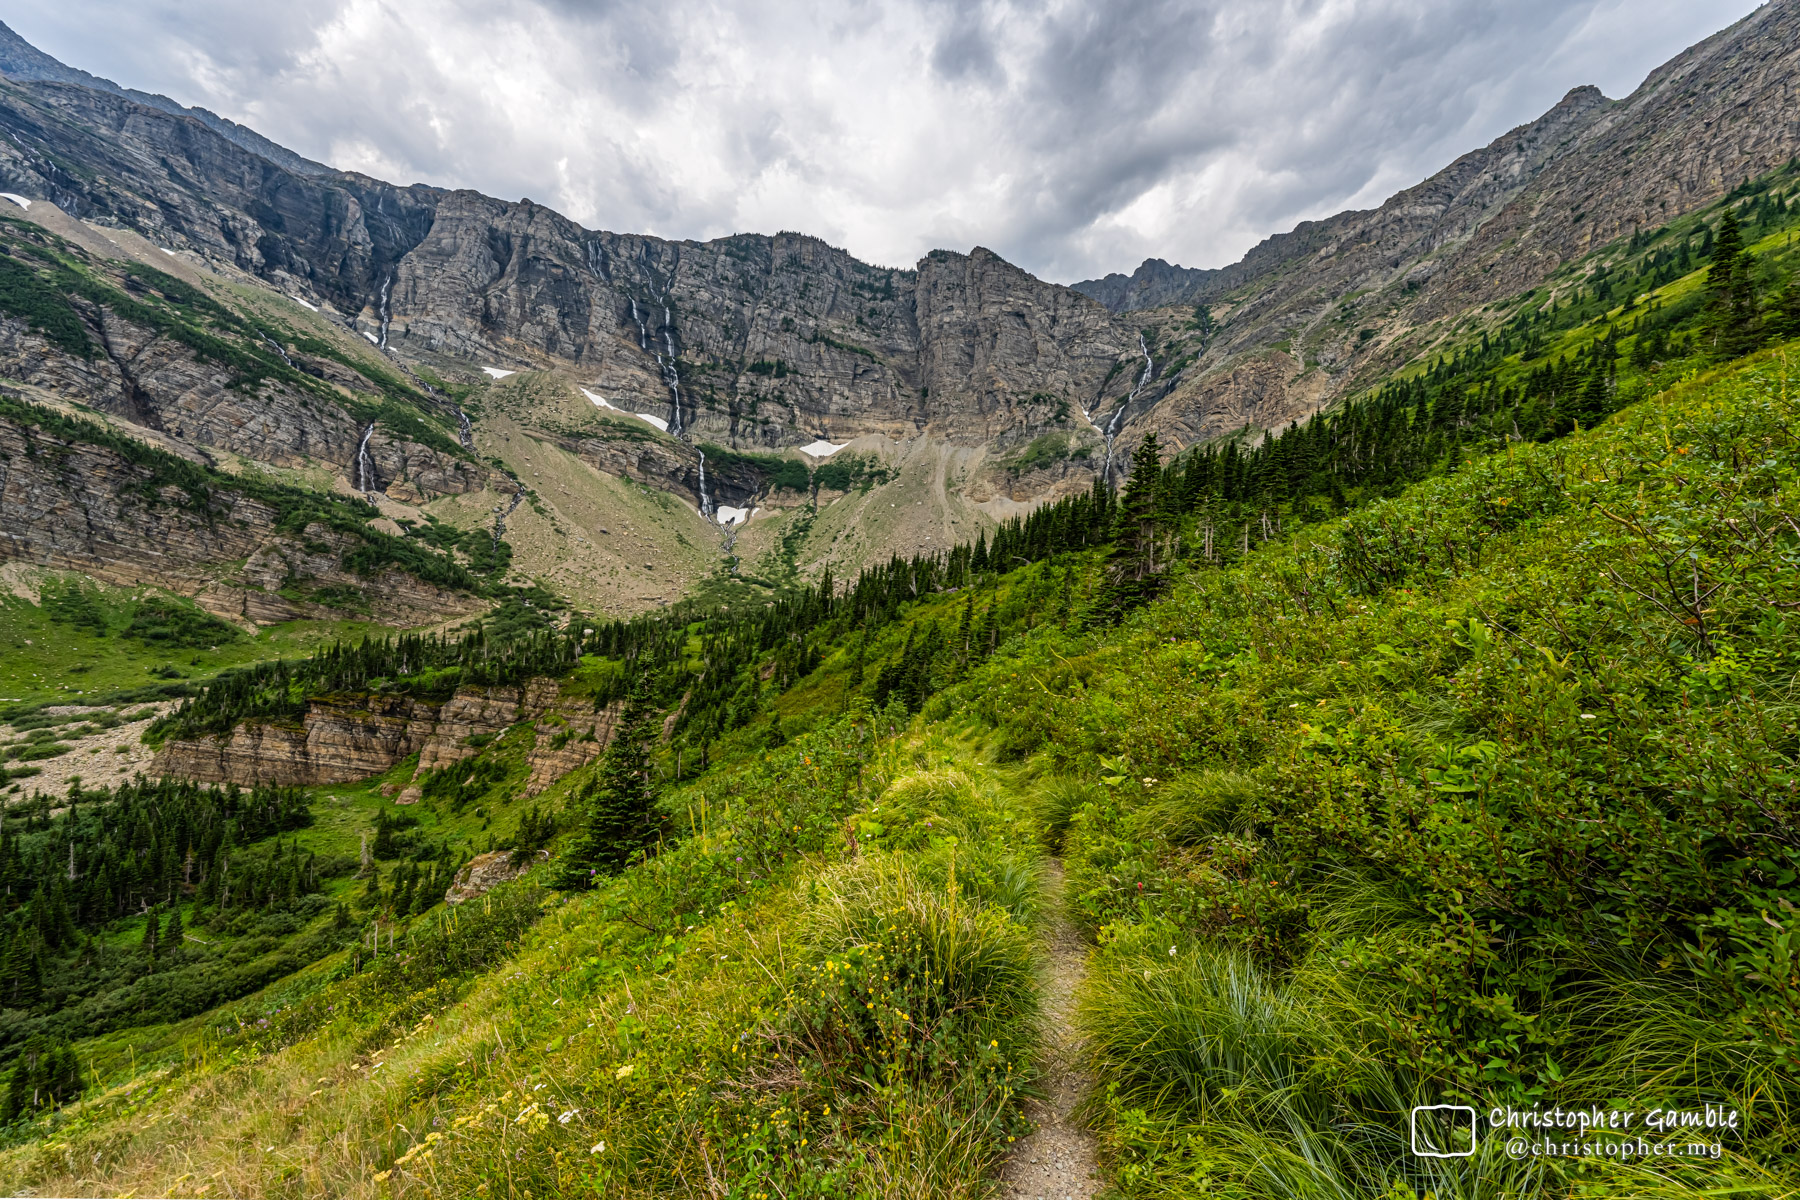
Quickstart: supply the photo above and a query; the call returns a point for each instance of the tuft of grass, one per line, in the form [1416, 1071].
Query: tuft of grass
[1056, 800]
[1193, 807]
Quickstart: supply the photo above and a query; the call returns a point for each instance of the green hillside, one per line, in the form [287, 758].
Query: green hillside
[1467, 782]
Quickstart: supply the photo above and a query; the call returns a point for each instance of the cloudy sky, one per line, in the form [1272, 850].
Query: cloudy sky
[1073, 137]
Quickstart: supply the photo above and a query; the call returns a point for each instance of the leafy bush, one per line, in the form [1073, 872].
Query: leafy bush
[177, 625]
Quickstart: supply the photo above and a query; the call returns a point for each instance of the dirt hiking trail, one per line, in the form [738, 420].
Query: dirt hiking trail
[1057, 1161]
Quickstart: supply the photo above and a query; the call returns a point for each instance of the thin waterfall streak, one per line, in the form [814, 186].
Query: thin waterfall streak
[365, 464]
[706, 502]
[500, 516]
[382, 310]
[278, 349]
[1112, 426]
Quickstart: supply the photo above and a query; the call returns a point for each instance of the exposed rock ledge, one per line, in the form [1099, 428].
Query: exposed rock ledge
[487, 871]
[341, 741]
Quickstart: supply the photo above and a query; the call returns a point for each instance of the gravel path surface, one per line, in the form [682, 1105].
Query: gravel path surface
[1057, 1161]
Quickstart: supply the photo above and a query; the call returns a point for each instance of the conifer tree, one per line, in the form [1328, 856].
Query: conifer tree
[616, 809]
[1133, 569]
[18, 1090]
[19, 974]
[371, 893]
[1787, 310]
[1731, 301]
[148, 943]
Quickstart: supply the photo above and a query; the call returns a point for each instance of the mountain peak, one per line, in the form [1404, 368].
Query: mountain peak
[25, 63]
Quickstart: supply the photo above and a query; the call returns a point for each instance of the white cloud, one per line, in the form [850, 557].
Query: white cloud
[1073, 136]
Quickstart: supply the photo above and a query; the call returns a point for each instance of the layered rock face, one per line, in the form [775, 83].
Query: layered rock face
[168, 176]
[344, 741]
[332, 744]
[759, 342]
[1496, 222]
[1719, 113]
[1154, 284]
[158, 383]
[74, 505]
[765, 341]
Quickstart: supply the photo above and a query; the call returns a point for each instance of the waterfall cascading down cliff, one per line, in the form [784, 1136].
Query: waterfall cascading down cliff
[277, 348]
[665, 362]
[671, 376]
[1118, 417]
[706, 501]
[381, 309]
[365, 466]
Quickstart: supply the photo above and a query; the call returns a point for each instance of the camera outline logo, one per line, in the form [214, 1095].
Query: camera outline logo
[1456, 1119]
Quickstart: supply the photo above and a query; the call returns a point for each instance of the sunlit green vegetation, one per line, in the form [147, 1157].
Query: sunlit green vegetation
[1473, 783]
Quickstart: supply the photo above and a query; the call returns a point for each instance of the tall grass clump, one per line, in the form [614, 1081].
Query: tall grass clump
[916, 1002]
[1056, 800]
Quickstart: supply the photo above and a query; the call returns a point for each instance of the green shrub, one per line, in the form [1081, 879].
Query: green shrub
[1056, 800]
[178, 625]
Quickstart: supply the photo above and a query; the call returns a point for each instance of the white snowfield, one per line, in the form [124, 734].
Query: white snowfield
[600, 402]
[304, 304]
[821, 449]
[732, 516]
[497, 373]
[17, 199]
[373, 340]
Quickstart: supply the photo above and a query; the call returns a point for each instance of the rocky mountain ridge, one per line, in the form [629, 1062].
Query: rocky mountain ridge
[649, 350]
[19, 59]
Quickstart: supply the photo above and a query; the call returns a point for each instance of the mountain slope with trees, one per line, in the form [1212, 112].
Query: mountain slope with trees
[1471, 786]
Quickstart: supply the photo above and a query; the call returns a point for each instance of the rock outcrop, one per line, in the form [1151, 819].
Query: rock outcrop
[80, 506]
[1154, 284]
[344, 740]
[485, 872]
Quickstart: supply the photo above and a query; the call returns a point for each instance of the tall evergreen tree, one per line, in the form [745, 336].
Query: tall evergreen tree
[1731, 300]
[148, 944]
[1133, 569]
[1787, 310]
[616, 809]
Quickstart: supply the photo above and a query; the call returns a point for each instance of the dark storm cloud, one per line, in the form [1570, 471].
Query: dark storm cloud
[1074, 137]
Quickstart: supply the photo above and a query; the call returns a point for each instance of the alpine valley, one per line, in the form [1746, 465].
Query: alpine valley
[496, 708]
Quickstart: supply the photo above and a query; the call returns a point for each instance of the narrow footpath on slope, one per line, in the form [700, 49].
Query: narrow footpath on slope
[1057, 1161]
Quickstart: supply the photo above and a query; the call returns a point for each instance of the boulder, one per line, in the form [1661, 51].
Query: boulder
[485, 872]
